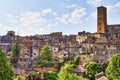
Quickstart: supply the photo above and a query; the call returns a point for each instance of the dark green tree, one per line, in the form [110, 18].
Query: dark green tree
[45, 58]
[93, 68]
[113, 69]
[50, 75]
[15, 53]
[75, 62]
[6, 72]
[85, 53]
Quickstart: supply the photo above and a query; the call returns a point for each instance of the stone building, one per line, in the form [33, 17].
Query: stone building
[103, 27]
[105, 42]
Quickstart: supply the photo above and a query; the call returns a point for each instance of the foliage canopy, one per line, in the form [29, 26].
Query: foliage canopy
[45, 58]
[6, 72]
[93, 68]
[19, 78]
[113, 69]
[66, 73]
[15, 53]
[50, 75]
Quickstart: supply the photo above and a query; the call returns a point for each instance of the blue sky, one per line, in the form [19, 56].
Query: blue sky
[30, 17]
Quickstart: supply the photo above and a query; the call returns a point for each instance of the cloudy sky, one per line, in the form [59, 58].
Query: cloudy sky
[30, 17]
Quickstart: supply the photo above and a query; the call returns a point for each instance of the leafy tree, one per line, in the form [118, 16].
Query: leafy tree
[19, 78]
[45, 57]
[6, 72]
[66, 73]
[15, 53]
[113, 69]
[118, 34]
[74, 76]
[50, 76]
[85, 53]
[33, 76]
[75, 62]
[93, 68]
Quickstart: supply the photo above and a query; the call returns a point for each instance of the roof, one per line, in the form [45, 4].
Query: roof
[102, 78]
[45, 69]
[22, 73]
[102, 7]
[80, 69]
[99, 33]
[100, 41]
[4, 44]
[114, 25]
[28, 44]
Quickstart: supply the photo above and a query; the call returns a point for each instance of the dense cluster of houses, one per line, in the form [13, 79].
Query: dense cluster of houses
[62, 46]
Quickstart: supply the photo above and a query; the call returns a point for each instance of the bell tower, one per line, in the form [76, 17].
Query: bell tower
[101, 19]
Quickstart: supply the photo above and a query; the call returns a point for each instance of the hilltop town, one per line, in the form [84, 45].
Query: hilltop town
[100, 45]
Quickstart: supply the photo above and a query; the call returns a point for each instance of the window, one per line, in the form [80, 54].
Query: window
[100, 28]
[104, 47]
[34, 53]
[91, 49]
[99, 23]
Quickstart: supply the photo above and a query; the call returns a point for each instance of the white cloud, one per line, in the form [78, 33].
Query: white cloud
[33, 31]
[75, 17]
[109, 8]
[31, 22]
[94, 2]
[47, 11]
[63, 19]
[11, 18]
[113, 7]
[32, 19]
[72, 6]
[117, 5]
[94, 15]
[1, 25]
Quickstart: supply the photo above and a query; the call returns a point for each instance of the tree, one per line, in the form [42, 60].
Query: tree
[85, 53]
[66, 73]
[33, 76]
[74, 76]
[15, 53]
[93, 68]
[45, 58]
[50, 75]
[19, 78]
[75, 62]
[113, 69]
[118, 34]
[6, 72]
